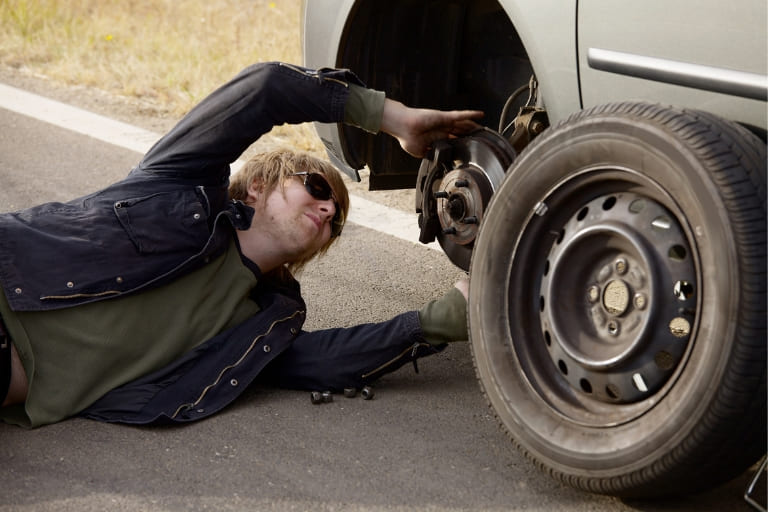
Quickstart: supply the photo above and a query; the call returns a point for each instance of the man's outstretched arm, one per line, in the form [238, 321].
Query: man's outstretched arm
[337, 358]
[223, 125]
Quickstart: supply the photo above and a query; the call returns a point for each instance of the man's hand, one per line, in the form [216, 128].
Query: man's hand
[417, 129]
[445, 319]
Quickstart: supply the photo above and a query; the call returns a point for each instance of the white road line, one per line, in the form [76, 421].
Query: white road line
[78, 120]
[362, 211]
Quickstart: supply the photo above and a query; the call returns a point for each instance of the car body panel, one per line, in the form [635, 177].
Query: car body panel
[703, 44]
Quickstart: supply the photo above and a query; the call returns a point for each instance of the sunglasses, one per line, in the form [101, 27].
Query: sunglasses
[319, 188]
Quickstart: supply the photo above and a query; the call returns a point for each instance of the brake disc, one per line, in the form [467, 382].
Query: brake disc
[454, 186]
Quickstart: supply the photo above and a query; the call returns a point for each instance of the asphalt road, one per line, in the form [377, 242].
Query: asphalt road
[426, 442]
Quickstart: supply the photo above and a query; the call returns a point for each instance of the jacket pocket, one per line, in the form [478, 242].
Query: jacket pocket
[165, 221]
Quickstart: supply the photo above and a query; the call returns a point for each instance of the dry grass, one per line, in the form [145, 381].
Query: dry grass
[168, 53]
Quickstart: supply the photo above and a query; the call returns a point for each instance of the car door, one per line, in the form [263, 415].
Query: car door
[704, 54]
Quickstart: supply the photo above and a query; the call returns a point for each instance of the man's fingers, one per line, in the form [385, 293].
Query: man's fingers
[463, 121]
[467, 116]
[465, 126]
[464, 114]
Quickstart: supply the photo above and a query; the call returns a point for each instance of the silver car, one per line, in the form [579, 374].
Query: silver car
[611, 213]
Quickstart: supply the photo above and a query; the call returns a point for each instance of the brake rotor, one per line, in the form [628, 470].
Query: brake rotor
[454, 187]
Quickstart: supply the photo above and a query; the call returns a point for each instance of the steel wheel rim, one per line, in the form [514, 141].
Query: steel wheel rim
[576, 382]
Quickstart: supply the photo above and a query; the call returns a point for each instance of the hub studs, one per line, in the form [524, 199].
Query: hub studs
[615, 293]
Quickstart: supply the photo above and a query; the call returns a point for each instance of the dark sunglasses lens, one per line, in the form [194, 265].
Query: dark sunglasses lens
[318, 187]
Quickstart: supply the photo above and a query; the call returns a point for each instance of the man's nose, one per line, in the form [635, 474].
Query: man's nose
[328, 207]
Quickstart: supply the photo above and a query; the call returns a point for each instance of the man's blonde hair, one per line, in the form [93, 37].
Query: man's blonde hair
[273, 168]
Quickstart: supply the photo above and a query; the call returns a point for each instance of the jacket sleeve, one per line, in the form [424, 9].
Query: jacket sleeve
[333, 359]
[217, 131]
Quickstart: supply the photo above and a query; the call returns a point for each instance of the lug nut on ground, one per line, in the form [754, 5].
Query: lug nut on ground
[324, 397]
[367, 393]
[317, 397]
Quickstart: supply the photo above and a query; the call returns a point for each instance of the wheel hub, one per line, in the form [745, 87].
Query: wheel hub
[461, 198]
[617, 298]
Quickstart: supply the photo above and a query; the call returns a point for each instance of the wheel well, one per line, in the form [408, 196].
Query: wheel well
[436, 54]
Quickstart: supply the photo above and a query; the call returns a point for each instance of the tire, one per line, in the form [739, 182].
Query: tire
[617, 303]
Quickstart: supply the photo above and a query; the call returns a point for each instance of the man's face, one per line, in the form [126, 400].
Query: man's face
[297, 224]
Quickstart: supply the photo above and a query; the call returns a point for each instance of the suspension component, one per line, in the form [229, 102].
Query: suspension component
[530, 120]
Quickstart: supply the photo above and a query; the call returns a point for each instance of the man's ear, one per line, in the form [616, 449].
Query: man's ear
[255, 190]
